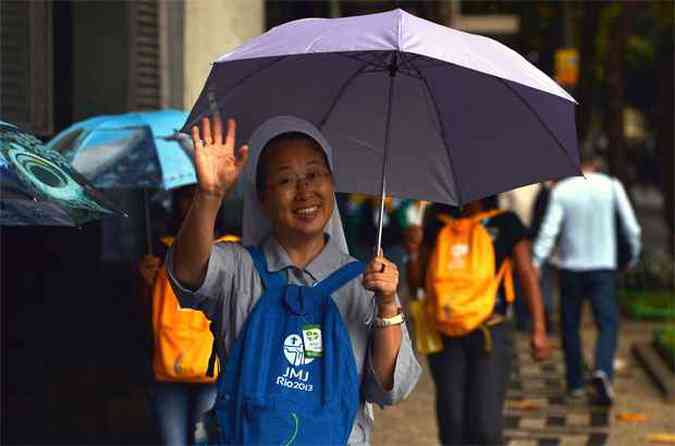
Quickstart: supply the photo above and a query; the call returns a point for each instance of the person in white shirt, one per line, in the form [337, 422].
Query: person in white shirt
[581, 219]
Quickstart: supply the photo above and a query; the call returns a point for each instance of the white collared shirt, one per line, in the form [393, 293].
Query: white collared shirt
[580, 216]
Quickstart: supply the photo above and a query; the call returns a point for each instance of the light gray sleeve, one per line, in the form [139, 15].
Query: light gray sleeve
[629, 221]
[406, 374]
[218, 283]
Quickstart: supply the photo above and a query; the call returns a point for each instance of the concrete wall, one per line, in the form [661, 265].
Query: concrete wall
[211, 28]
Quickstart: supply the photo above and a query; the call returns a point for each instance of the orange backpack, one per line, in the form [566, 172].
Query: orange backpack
[183, 339]
[461, 282]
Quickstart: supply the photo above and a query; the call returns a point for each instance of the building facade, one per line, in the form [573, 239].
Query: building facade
[65, 61]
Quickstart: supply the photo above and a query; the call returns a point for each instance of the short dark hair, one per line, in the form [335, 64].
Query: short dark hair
[589, 153]
[283, 138]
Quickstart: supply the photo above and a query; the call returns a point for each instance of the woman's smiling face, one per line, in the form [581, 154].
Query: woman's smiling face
[298, 194]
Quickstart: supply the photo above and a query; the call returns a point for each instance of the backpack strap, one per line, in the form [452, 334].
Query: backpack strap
[487, 214]
[340, 277]
[270, 280]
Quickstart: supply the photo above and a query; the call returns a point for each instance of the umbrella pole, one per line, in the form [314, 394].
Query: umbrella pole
[148, 229]
[379, 228]
[393, 68]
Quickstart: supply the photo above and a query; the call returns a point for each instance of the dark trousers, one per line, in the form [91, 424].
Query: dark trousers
[179, 408]
[471, 386]
[599, 287]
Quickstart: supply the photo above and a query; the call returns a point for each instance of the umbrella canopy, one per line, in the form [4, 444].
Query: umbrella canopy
[38, 187]
[132, 150]
[444, 115]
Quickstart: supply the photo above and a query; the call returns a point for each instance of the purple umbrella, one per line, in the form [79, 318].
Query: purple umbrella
[441, 114]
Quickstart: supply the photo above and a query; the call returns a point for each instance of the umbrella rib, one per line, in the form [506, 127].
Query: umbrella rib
[406, 61]
[442, 128]
[378, 67]
[541, 121]
[352, 56]
[400, 71]
[237, 84]
[344, 86]
[527, 104]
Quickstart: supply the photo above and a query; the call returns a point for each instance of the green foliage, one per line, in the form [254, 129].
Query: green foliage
[665, 343]
[647, 291]
[640, 52]
[667, 336]
[655, 271]
[648, 304]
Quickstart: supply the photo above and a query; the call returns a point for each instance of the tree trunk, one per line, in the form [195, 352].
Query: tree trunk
[587, 61]
[665, 143]
[614, 73]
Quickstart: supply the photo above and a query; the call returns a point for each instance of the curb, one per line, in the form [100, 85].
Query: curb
[649, 358]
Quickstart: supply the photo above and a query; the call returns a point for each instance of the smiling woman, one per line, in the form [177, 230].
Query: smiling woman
[294, 306]
[298, 192]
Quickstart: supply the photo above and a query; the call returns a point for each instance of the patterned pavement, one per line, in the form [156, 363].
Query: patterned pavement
[537, 413]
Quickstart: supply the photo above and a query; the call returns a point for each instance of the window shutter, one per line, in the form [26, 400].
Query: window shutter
[26, 73]
[145, 86]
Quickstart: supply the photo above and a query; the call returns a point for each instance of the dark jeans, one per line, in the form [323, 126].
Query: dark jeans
[471, 386]
[599, 287]
[548, 281]
[179, 408]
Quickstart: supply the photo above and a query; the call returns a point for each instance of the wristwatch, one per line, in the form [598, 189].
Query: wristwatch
[398, 319]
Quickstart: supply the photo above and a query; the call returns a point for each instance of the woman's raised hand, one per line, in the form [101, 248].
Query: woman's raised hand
[218, 166]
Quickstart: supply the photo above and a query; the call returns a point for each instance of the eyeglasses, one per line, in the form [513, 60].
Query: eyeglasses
[288, 182]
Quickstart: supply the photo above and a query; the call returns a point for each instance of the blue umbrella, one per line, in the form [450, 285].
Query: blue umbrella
[132, 150]
[139, 150]
[38, 186]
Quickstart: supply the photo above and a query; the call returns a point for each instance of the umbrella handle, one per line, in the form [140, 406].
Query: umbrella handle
[148, 229]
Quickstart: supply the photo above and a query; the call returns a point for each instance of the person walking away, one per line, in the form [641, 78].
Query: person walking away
[183, 391]
[465, 261]
[582, 216]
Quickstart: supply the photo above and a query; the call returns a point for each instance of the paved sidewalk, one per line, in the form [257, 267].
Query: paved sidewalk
[549, 419]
